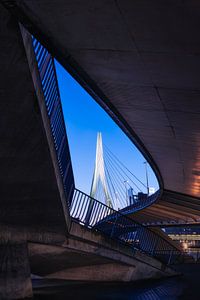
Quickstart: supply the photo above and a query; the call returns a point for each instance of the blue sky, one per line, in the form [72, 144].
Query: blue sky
[83, 119]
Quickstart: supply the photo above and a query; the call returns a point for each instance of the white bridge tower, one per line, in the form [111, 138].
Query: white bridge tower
[99, 173]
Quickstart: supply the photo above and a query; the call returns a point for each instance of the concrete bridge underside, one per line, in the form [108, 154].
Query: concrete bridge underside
[31, 207]
[87, 255]
[172, 209]
[30, 197]
[34, 223]
[140, 60]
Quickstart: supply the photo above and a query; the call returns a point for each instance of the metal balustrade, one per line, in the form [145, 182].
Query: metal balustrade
[139, 205]
[51, 93]
[84, 209]
[97, 216]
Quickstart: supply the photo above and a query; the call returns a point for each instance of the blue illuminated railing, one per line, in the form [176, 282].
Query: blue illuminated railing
[121, 228]
[141, 204]
[51, 93]
[84, 209]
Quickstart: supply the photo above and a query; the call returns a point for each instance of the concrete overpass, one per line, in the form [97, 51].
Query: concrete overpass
[140, 61]
[171, 209]
[37, 235]
[31, 189]
[33, 206]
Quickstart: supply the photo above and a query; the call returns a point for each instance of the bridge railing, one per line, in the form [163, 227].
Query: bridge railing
[96, 215]
[139, 205]
[51, 94]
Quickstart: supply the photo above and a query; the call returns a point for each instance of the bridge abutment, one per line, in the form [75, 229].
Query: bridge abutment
[15, 278]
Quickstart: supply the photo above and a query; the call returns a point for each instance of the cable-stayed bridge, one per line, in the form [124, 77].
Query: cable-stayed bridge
[110, 200]
[118, 187]
[38, 234]
[113, 183]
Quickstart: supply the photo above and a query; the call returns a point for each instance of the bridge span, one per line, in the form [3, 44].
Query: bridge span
[169, 209]
[140, 67]
[139, 60]
[37, 233]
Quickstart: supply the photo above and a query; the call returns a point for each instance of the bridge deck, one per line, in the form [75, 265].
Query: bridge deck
[140, 60]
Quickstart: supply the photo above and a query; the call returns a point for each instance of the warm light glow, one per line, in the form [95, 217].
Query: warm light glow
[185, 246]
[183, 237]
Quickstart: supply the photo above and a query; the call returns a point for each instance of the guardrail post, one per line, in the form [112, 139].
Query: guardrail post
[170, 257]
[89, 212]
[155, 245]
[133, 242]
[113, 227]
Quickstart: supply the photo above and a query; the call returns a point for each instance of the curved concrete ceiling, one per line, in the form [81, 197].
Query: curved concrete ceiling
[172, 209]
[141, 59]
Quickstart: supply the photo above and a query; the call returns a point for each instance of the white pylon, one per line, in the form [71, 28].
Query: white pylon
[99, 172]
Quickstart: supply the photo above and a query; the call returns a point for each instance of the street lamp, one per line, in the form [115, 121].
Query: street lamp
[117, 201]
[125, 182]
[147, 179]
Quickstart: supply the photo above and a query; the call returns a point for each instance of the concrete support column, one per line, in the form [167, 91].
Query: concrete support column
[15, 279]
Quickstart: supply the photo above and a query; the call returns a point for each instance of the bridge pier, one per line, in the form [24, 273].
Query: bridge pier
[15, 279]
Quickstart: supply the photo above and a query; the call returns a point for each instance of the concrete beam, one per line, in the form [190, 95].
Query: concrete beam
[89, 255]
[30, 199]
[27, 39]
[106, 272]
[136, 62]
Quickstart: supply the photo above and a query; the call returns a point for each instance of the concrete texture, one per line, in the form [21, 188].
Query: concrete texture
[106, 272]
[15, 279]
[89, 256]
[30, 198]
[171, 209]
[27, 39]
[31, 203]
[140, 61]
[184, 287]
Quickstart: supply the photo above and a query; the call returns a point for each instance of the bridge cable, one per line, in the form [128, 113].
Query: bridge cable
[125, 166]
